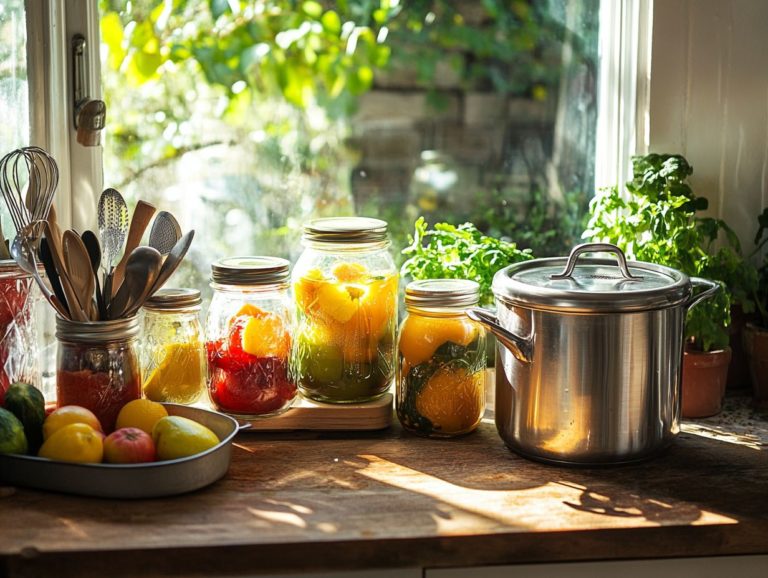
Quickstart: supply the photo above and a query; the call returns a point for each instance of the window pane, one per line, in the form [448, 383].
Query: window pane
[247, 118]
[14, 103]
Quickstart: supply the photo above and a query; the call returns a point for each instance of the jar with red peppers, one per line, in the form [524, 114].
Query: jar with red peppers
[248, 338]
[98, 366]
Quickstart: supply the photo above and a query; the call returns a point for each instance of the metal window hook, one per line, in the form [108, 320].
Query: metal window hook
[89, 114]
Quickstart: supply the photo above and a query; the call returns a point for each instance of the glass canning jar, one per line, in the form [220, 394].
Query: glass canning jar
[97, 366]
[345, 289]
[172, 349]
[248, 337]
[440, 388]
[18, 329]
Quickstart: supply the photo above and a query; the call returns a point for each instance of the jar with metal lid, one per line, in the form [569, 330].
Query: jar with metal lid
[172, 349]
[18, 335]
[97, 366]
[345, 289]
[441, 359]
[248, 337]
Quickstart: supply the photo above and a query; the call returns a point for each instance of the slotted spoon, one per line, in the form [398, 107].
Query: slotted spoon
[113, 227]
[165, 232]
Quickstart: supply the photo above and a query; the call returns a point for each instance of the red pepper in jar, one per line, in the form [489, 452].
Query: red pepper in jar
[248, 371]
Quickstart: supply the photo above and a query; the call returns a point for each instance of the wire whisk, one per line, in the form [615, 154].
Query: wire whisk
[33, 170]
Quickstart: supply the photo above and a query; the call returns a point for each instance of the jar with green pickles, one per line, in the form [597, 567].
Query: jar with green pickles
[345, 290]
[440, 383]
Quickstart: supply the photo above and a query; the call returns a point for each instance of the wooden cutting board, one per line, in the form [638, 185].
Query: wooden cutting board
[311, 415]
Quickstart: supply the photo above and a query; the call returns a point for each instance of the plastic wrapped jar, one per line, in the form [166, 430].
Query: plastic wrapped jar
[18, 335]
[98, 366]
[345, 288]
[248, 337]
[173, 349]
[441, 359]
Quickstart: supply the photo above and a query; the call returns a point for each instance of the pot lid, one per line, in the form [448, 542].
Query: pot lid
[591, 285]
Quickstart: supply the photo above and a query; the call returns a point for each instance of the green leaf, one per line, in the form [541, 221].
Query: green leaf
[331, 22]
[218, 8]
[312, 8]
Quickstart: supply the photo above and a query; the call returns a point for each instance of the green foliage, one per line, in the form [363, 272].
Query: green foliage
[657, 222]
[463, 252]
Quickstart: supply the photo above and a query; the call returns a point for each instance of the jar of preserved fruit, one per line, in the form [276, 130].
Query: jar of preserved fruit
[173, 350]
[441, 359]
[248, 337]
[18, 335]
[98, 366]
[345, 288]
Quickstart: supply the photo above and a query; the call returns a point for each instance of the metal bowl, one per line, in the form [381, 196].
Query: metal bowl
[147, 480]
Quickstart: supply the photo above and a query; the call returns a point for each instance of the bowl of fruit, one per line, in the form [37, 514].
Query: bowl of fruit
[156, 449]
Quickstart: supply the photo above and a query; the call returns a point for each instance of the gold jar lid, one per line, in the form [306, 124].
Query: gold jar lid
[352, 230]
[442, 294]
[250, 271]
[173, 299]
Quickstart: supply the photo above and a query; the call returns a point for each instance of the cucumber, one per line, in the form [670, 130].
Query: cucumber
[28, 405]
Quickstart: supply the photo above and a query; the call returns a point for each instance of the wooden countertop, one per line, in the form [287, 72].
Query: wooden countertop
[302, 501]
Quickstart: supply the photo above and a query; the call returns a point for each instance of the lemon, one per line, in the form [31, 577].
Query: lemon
[453, 400]
[75, 442]
[140, 413]
[69, 414]
[179, 377]
[178, 437]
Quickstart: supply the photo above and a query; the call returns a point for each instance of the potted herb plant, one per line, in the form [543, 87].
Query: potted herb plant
[756, 333]
[656, 222]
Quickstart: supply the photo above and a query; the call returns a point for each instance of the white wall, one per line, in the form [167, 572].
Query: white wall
[709, 101]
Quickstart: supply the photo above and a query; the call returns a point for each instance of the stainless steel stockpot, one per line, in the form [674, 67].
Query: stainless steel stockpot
[589, 361]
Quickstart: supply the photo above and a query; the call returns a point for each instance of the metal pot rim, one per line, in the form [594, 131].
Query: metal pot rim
[517, 285]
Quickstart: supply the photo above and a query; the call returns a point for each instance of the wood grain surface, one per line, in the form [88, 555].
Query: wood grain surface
[331, 501]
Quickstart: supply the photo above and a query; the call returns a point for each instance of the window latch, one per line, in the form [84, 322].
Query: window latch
[89, 114]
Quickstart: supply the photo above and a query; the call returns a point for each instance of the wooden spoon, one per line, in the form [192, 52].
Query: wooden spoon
[142, 215]
[78, 264]
[141, 270]
[73, 303]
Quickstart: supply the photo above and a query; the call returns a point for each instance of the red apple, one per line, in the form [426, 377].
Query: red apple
[129, 445]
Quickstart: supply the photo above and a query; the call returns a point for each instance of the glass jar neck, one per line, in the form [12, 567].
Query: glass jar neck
[194, 309]
[341, 247]
[267, 288]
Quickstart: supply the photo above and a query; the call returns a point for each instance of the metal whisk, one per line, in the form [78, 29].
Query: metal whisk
[34, 170]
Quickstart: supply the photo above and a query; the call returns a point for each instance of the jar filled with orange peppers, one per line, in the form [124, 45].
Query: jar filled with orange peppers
[441, 360]
[248, 338]
[345, 289]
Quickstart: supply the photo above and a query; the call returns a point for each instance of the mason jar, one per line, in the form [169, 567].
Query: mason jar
[97, 366]
[248, 337]
[440, 388]
[18, 331]
[345, 289]
[173, 350]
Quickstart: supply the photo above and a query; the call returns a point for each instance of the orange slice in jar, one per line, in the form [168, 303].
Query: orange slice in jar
[350, 272]
[266, 336]
[305, 291]
[420, 336]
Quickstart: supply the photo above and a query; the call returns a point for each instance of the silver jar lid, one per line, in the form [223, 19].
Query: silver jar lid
[96, 332]
[346, 230]
[591, 285]
[442, 293]
[250, 271]
[173, 299]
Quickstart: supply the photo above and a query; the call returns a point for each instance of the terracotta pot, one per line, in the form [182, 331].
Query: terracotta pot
[704, 378]
[738, 370]
[756, 346]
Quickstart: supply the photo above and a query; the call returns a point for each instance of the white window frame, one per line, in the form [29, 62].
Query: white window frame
[51, 24]
[623, 95]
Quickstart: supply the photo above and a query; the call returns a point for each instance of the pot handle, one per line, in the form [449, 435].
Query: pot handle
[711, 289]
[594, 248]
[521, 348]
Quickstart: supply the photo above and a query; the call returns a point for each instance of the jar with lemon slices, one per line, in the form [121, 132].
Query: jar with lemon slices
[345, 289]
[441, 360]
[248, 337]
[173, 351]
